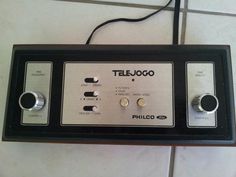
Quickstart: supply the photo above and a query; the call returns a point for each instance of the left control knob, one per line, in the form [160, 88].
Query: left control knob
[31, 101]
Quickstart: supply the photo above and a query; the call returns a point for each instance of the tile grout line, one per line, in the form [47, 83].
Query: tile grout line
[144, 6]
[184, 22]
[211, 13]
[182, 41]
[122, 4]
[172, 162]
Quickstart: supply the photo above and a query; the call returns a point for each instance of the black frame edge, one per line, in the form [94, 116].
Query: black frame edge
[125, 142]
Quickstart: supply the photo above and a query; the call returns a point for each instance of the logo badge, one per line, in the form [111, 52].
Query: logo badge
[133, 73]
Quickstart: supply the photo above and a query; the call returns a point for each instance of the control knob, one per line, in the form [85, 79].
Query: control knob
[206, 103]
[31, 101]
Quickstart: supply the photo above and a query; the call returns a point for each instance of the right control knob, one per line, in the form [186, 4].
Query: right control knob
[205, 103]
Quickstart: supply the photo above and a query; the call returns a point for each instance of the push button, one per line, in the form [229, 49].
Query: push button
[141, 102]
[124, 102]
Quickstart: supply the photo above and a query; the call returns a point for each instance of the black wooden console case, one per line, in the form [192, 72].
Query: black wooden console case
[223, 134]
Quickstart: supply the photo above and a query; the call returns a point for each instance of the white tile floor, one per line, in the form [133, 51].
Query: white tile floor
[215, 5]
[61, 160]
[44, 21]
[205, 162]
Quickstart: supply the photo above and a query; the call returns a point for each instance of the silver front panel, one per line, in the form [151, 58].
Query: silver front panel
[38, 79]
[157, 92]
[200, 80]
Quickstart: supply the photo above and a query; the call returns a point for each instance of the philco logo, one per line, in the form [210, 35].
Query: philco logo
[133, 73]
[149, 117]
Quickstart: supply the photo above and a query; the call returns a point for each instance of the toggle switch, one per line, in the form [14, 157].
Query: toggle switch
[91, 94]
[90, 108]
[91, 80]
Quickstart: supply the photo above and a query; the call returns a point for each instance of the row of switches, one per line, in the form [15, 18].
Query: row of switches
[91, 94]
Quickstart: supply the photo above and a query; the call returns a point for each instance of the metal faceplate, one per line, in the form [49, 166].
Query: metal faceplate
[200, 81]
[129, 94]
[38, 79]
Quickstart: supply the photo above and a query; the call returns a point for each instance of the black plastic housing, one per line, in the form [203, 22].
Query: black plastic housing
[223, 134]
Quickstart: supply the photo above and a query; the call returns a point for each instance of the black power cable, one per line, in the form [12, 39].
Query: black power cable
[176, 22]
[175, 28]
[125, 20]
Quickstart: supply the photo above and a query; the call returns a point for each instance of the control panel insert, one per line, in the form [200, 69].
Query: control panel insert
[129, 94]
